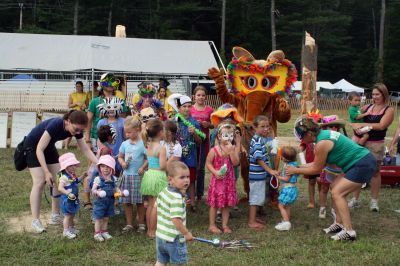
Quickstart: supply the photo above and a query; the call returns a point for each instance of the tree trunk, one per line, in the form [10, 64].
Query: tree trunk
[381, 37]
[76, 10]
[309, 75]
[110, 19]
[222, 50]
[273, 32]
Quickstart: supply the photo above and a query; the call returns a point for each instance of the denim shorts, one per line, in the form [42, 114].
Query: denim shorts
[103, 208]
[363, 170]
[257, 193]
[171, 252]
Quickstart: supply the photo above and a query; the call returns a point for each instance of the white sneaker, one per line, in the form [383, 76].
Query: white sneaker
[98, 237]
[398, 211]
[354, 203]
[106, 235]
[333, 228]
[37, 226]
[373, 206]
[345, 235]
[283, 226]
[322, 213]
[55, 219]
[74, 230]
[68, 234]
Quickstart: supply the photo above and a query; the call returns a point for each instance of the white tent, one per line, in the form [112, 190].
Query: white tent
[74, 52]
[320, 84]
[346, 86]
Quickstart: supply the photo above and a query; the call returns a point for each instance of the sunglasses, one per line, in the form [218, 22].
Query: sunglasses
[147, 117]
[77, 129]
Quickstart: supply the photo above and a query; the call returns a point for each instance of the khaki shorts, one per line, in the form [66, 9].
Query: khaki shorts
[377, 149]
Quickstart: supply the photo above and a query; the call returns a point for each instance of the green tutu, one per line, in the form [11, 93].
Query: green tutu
[153, 182]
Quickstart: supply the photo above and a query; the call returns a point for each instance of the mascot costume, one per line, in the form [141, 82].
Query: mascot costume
[256, 87]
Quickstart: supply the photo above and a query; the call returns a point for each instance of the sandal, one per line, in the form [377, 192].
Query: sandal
[214, 230]
[127, 228]
[226, 230]
[88, 206]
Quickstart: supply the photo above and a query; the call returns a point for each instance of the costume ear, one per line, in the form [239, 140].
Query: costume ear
[276, 56]
[241, 52]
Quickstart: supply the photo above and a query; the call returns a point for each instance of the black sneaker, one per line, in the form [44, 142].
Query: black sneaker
[345, 235]
[333, 228]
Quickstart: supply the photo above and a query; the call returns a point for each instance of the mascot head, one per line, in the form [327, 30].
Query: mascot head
[275, 75]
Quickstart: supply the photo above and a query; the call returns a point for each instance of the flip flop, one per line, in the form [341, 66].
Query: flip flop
[88, 206]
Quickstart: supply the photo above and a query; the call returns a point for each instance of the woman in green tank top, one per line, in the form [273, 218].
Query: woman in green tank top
[357, 163]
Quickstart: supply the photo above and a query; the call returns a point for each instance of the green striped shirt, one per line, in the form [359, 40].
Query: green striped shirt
[170, 204]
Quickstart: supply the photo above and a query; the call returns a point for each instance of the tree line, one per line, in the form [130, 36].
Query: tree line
[346, 31]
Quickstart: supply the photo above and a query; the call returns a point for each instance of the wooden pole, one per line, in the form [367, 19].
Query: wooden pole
[309, 75]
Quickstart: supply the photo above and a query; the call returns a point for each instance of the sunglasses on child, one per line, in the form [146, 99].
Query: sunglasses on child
[147, 117]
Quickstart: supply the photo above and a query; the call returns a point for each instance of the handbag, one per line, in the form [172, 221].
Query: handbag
[20, 155]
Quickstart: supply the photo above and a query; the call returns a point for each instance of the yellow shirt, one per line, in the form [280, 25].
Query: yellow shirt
[135, 99]
[79, 97]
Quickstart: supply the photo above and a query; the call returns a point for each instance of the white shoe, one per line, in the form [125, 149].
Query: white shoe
[106, 235]
[74, 230]
[55, 219]
[37, 226]
[345, 235]
[68, 234]
[373, 206]
[322, 213]
[283, 226]
[333, 228]
[398, 211]
[354, 203]
[98, 237]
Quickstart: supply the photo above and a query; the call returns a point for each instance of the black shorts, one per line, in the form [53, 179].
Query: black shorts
[50, 155]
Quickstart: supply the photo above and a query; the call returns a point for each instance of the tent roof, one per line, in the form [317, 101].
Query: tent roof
[346, 86]
[75, 52]
[320, 84]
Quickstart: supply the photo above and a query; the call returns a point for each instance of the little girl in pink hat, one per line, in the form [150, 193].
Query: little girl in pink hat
[68, 186]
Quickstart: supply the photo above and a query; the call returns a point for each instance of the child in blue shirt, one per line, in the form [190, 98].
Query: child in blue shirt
[259, 169]
[132, 157]
[289, 192]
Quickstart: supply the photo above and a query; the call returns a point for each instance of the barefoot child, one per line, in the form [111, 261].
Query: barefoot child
[68, 187]
[222, 188]
[172, 233]
[289, 192]
[259, 169]
[154, 179]
[103, 192]
[132, 157]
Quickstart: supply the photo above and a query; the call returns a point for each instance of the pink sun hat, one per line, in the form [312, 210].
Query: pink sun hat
[67, 159]
[106, 160]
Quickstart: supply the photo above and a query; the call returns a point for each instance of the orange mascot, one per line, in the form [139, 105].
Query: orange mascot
[256, 87]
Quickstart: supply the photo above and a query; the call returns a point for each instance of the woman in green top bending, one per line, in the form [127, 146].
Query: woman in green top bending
[357, 163]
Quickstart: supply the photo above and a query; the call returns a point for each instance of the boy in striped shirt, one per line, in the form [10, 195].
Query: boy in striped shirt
[259, 169]
[171, 233]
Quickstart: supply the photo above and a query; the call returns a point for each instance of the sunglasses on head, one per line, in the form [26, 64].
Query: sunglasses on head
[147, 117]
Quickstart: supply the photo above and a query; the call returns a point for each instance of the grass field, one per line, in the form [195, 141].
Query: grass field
[378, 233]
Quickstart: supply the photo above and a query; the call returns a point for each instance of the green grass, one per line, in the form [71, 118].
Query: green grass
[378, 242]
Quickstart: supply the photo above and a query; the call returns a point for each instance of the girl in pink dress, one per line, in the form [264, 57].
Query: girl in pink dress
[222, 188]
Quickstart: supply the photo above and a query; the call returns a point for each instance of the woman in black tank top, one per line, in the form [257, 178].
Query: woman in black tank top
[380, 118]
